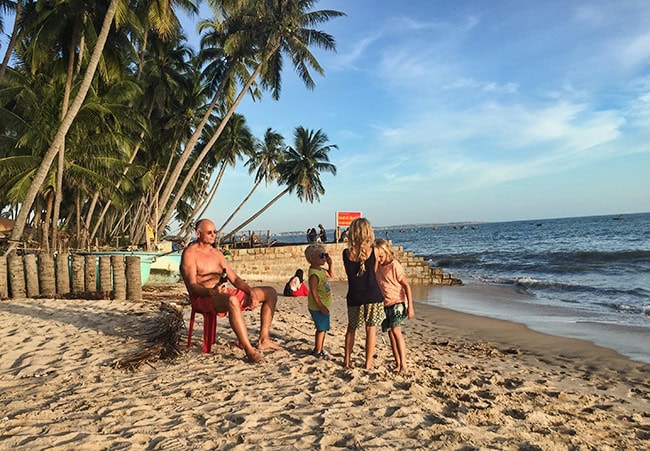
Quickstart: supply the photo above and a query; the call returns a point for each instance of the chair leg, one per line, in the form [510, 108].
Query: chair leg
[209, 331]
[190, 329]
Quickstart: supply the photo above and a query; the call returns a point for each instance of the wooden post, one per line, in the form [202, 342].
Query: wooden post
[78, 285]
[4, 282]
[90, 273]
[62, 273]
[105, 275]
[119, 282]
[46, 279]
[16, 276]
[133, 278]
[31, 275]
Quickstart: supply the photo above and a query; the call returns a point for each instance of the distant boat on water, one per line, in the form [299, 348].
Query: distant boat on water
[618, 218]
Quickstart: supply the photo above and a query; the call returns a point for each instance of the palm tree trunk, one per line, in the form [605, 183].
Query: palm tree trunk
[262, 210]
[250, 193]
[45, 241]
[169, 211]
[4, 282]
[12, 39]
[117, 186]
[16, 271]
[31, 276]
[46, 279]
[133, 278]
[105, 275]
[187, 151]
[66, 123]
[58, 197]
[201, 205]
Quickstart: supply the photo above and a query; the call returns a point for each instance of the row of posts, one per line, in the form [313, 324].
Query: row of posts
[45, 275]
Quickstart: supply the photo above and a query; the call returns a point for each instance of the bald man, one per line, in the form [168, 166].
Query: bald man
[202, 266]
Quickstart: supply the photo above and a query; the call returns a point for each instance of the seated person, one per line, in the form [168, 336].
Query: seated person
[201, 268]
[295, 286]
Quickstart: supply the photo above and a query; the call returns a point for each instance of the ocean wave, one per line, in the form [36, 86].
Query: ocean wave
[600, 257]
[452, 261]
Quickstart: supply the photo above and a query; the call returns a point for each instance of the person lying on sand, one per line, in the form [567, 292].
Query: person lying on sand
[202, 267]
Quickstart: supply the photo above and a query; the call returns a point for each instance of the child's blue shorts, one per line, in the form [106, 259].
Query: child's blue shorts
[322, 322]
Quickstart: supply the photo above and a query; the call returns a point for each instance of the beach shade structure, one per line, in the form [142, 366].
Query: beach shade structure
[209, 329]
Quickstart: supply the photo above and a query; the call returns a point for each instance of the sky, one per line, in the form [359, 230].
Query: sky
[468, 111]
[465, 111]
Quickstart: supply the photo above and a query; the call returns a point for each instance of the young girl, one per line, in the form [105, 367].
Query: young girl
[295, 286]
[364, 299]
[398, 300]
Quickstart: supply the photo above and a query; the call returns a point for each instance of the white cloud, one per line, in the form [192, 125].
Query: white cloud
[636, 51]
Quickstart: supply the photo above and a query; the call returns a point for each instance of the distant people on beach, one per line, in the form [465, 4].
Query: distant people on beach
[398, 300]
[364, 300]
[320, 294]
[296, 286]
[202, 267]
[322, 234]
[312, 235]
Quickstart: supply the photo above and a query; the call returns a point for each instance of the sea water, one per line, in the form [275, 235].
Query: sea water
[586, 277]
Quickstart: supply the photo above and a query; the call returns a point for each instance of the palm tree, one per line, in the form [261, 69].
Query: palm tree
[66, 123]
[17, 8]
[159, 17]
[167, 78]
[270, 28]
[236, 141]
[300, 169]
[269, 153]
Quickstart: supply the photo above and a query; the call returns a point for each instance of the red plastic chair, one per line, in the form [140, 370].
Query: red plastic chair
[209, 329]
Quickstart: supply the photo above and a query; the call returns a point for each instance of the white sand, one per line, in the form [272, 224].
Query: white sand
[475, 383]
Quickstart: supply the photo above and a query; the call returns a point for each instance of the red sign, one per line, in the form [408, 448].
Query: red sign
[344, 218]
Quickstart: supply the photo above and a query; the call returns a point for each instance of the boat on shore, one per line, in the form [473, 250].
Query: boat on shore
[155, 267]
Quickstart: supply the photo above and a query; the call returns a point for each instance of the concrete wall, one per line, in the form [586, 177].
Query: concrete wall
[280, 263]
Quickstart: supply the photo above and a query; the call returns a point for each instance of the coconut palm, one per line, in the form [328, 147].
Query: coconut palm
[300, 169]
[235, 142]
[66, 123]
[270, 28]
[269, 153]
[17, 8]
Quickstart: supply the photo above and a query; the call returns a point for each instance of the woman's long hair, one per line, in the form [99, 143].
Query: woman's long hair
[361, 237]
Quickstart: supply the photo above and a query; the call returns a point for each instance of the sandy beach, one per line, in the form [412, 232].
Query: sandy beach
[474, 383]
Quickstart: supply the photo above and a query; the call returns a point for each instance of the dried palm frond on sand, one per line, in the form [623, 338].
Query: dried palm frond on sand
[162, 339]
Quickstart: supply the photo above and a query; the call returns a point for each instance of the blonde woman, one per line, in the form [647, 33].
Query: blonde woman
[364, 299]
[398, 300]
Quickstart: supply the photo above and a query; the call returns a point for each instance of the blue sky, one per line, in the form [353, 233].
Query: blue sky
[470, 111]
[454, 111]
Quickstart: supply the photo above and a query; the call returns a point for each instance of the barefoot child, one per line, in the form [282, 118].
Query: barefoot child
[398, 300]
[319, 299]
[364, 299]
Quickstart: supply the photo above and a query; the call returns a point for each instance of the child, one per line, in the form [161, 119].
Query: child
[398, 300]
[295, 286]
[364, 299]
[319, 299]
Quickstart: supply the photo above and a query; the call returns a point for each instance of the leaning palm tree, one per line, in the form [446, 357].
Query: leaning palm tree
[265, 30]
[263, 162]
[236, 142]
[300, 169]
[17, 7]
[64, 126]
